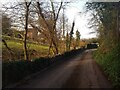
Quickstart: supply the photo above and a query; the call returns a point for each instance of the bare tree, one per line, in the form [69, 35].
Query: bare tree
[42, 16]
[19, 13]
[49, 22]
[27, 5]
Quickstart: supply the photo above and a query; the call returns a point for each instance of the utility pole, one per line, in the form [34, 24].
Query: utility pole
[71, 33]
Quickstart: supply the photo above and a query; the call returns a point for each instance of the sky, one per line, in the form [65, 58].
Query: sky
[81, 19]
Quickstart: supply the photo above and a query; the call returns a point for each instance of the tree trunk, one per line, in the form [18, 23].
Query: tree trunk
[50, 46]
[25, 47]
[26, 30]
[67, 41]
[55, 46]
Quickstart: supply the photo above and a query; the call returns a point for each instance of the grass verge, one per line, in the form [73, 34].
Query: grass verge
[110, 63]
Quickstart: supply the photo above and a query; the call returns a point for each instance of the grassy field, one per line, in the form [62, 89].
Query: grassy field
[19, 45]
[34, 50]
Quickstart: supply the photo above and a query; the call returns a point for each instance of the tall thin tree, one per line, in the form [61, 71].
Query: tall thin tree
[27, 5]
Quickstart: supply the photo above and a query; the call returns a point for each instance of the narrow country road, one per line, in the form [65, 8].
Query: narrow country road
[80, 72]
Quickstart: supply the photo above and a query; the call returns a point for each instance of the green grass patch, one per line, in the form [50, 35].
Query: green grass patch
[35, 50]
[19, 45]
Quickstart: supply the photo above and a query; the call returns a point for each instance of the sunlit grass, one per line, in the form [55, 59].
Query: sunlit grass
[19, 45]
[34, 50]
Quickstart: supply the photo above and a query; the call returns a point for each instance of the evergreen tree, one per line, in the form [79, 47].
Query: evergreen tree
[77, 38]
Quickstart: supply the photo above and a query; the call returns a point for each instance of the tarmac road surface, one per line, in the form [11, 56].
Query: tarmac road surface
[79, 72]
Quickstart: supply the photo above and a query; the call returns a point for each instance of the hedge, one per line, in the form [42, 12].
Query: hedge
[14, 71]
